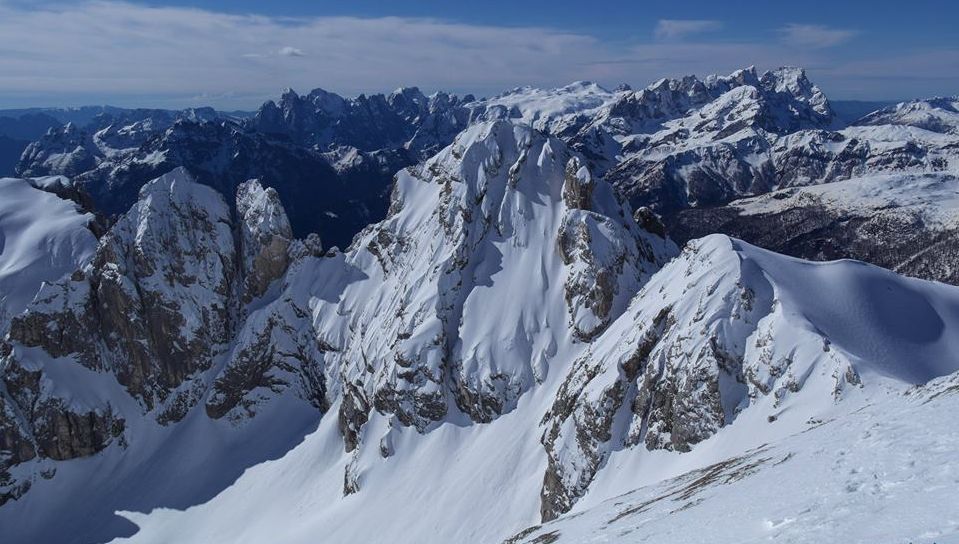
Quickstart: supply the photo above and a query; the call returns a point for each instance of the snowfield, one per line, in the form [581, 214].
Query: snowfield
[42, 238]
[884, 472]
[933, 197]
[874, 463]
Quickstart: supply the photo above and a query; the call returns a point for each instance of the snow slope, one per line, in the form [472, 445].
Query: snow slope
[934, 114]
[390, 339]
[508, 346]
[42, 238]
[934, 197]
[892, 331]
[886, 472]
[549, 110]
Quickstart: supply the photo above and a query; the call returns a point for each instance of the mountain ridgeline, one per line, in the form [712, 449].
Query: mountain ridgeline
[675, 147]
[436, 318]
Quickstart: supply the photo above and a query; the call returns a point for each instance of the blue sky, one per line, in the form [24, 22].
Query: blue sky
[238, 53]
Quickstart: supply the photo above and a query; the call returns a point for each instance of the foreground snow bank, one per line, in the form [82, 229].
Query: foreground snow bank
[884, 473]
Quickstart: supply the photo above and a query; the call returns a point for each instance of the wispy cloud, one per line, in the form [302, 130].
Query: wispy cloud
[677, 29]
[815, 36]
[121, 48]
[291, 52]
[96, 51]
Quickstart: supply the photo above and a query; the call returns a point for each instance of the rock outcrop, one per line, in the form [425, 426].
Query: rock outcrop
[176, 286]
[504, 213]
[706, 338]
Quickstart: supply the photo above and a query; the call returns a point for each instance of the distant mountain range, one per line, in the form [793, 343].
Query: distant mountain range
[682, 144]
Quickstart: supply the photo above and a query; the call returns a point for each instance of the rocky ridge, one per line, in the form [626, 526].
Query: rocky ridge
[156, 309]
[678, 144]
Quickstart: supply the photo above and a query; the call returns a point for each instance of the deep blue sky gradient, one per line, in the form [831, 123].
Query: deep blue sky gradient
[905, 24]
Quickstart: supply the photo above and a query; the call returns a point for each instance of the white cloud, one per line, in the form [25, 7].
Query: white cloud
[103, 51]
[677, 29]
[291, 52]
[126, 49]
[815, 36]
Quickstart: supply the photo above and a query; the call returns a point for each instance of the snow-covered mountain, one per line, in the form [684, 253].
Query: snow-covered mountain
[935, 115]
[687, 147]
[882, 472]
[330, 158]
[511, 347]
[691, 143]
[404, 119]
[678, 144]
[74, 148]
[508, 346]
[904, 222]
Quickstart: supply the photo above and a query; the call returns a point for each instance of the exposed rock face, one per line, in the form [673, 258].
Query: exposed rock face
[405, 118]
[600, 252]
[157, 293]
[578, 186]
[468, 228]
[165, 296]
[265, 237]
[57, 430]
[37, 422]
[703, 340]
[276, 351]
[275, 348]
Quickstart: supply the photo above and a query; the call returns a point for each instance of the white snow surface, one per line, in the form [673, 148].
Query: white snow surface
[550, 110]
[935, 114]
[934, 197]
[884, 472]
[878, 453]
[42, 238]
